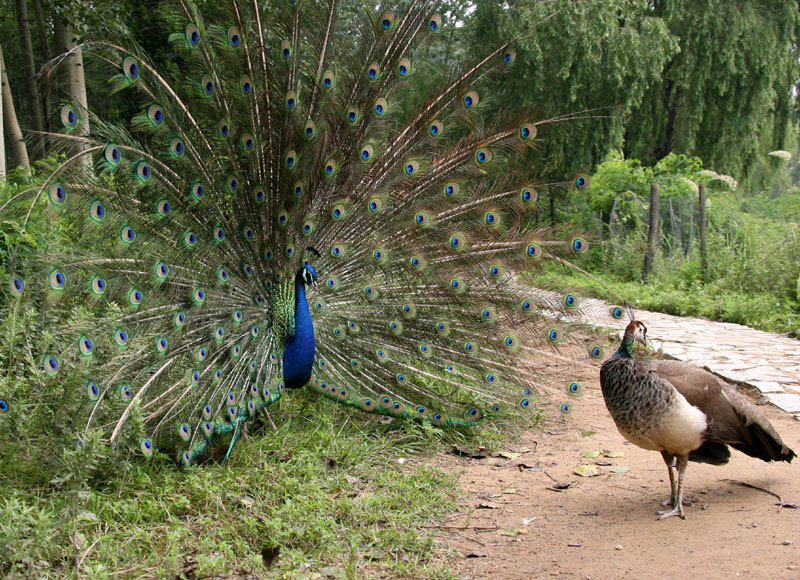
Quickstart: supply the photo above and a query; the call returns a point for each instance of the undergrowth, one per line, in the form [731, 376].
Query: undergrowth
[330, 493]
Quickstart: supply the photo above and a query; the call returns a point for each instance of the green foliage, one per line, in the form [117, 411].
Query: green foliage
[727, 95]
[587, 60]
[326, 489]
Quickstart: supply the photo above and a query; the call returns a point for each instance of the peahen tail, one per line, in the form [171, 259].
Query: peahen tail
[282, 148]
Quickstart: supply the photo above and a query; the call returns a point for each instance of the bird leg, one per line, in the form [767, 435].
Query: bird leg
[669, 459]
[683, 460]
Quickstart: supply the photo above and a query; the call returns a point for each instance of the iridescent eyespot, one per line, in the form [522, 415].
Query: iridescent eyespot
[488, 314]
[533, 251]
[353, 115]
[457, 285]
[58, 280]
[328, 80]
[290, 159]
[237, 316]
[435, 128]
[125, 392]
[396, 327]
[112, 155]
[176, 148]
[528, 195]
[470, 99]
[565, 408]
[367, 153]
[234, 37]
[69, 118]
[248, 233]
[554, 335]
[496, 271]
[245, 86]
[435, 23]
[189, 239]
[483, 156]
[130, 68]
[192, 35]
[121, 337]
[207, 85]
[198, 296]
[403, 67]
[373, 71]
[310, 129]
[458, 241]
[97, 286]
[86, 346]
[387, 20]
[58, 195]
[184, 432]
[179, 320]
[527, 132]
[92, 391]
[142, 171]
[596, 352]
[286, 50]
[492, 219]
[299, 188]
[374, 205]
[135, 297]
[338, 212]
[247, 143]
[617, 312]
[579, 245]
[50, 364]
[127, 235]
[17, 285]
[331, 167]
[219, 234]
[161, 345]
[232, 182]
[411, 167]
[155, 115]
[161, 270]
[409, 310]
[571, 301]
[509, 56]
[451, 190]
[163, 208]
[581, 181]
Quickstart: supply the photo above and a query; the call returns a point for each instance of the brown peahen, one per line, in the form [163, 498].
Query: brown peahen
[282, 148]
[685, 412]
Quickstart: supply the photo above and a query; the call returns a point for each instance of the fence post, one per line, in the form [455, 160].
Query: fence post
[652, 232]
[702, 202]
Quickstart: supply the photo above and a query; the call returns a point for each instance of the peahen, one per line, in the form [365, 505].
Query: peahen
[296, 203]
[683, 411]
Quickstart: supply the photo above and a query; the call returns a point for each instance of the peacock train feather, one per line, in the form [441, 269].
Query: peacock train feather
[286, 210]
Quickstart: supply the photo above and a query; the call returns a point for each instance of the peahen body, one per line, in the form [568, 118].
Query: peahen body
[685, 412]
[284, 148]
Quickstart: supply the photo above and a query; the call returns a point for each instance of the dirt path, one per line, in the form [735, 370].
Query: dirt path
[512, 523]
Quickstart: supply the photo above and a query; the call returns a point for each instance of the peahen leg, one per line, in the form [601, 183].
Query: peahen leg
[683, 460]
[669, 459]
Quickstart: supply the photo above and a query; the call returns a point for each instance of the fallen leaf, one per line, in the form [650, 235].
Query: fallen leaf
[478, 453]
[509, 454]
[585, 470]
[620, 469]
[509, 490]
[591, 454]
[485, 505]
[613, 454]
[603, 463]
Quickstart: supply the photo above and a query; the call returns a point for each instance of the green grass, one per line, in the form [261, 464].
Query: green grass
[329, 488]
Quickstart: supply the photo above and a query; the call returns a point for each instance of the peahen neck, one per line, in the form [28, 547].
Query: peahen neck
[298, 353]
[625, 349]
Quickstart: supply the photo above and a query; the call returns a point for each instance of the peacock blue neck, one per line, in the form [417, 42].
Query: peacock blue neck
[298, 353]
[625, 349]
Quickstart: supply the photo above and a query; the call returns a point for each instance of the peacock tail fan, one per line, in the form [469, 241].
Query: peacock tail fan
[297, 200]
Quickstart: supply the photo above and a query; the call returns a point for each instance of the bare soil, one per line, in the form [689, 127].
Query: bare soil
[515, 522]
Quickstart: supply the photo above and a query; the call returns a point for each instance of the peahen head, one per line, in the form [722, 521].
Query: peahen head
[307, 275]
[636, 331]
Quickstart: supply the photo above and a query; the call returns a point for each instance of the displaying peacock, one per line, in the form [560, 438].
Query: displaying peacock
[296, 203]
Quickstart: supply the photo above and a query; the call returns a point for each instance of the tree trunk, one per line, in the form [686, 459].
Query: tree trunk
[12, 125]
[29, 70]
[702, 203]
[74, 82]
[552, 209]
[2, 133]
[652, 233]
[41, 26]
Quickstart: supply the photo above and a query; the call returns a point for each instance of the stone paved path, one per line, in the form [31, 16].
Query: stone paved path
[769, 362]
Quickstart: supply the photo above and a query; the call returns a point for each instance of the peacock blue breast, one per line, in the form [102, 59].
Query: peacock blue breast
[298, 354]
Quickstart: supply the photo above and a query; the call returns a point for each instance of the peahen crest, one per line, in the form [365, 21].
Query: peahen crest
[298, 204]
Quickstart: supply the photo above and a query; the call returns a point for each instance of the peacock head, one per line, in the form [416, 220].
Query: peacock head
[307, 275]
[636, 331]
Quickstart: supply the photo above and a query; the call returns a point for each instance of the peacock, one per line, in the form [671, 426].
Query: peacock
[306, 198]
